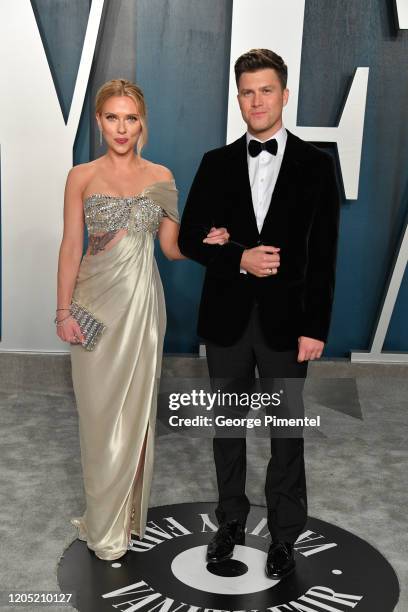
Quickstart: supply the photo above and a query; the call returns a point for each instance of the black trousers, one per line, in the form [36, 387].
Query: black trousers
[233, 368]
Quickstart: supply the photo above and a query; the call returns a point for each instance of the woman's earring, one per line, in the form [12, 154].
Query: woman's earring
[100, 137]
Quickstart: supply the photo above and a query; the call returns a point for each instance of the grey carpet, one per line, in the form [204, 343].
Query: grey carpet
[356, 468]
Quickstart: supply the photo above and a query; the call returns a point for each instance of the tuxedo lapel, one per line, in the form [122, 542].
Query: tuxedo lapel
[285, 188]
[239, 168]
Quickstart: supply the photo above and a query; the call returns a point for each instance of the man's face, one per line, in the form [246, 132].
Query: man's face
[261, 100]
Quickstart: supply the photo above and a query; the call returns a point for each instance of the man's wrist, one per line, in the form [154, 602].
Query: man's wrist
[243, 258]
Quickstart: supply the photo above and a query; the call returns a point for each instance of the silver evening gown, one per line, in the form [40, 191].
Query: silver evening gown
[115, 384]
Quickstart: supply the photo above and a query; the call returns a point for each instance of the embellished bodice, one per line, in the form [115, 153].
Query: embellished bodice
[105, 213]
[109, 217]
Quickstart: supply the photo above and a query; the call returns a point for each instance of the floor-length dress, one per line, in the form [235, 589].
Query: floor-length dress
[115, 384]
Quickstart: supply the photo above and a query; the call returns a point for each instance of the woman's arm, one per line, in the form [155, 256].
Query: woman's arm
[169, 230]
[168, 238]
[70, 255]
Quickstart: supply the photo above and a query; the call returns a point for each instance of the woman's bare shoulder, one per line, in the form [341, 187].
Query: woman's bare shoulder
[80, 175]
[159, 172]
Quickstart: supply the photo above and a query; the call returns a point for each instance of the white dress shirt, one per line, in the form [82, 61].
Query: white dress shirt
[263, 172]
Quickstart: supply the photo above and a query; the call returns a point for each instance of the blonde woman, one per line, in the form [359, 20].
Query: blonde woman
[111, 302]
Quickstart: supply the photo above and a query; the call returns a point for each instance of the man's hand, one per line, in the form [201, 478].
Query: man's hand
[217, 236]
[261, 260]
[309, 349]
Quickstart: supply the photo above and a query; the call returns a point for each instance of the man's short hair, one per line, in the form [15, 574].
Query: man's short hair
[258, 59]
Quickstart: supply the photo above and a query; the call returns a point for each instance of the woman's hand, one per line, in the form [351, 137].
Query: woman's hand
[68, 330]
[217, 236]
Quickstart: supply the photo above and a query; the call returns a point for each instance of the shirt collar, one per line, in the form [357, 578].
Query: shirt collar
[281, 137]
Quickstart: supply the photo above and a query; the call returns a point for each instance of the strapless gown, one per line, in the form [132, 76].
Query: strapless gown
[115, 385]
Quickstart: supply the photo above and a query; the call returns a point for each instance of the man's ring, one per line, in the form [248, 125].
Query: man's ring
[269, 270]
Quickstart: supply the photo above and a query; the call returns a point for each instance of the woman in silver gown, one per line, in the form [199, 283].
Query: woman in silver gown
[124, 201]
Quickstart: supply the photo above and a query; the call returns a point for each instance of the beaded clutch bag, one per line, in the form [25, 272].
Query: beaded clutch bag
[91, 327]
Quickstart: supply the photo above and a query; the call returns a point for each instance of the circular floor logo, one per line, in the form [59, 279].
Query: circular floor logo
[167, 571]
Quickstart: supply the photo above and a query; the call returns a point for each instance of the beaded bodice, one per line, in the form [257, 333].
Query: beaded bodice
[105, 213]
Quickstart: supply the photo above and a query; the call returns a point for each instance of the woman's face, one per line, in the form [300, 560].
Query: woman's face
[120, 124]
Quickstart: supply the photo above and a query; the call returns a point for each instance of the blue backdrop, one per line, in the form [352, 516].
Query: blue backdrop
[178, 52]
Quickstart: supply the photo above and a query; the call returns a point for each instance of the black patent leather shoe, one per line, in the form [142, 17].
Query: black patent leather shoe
[281, 561]
[221, 547]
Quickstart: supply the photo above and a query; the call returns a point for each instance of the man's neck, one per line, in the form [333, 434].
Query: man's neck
[267, 134]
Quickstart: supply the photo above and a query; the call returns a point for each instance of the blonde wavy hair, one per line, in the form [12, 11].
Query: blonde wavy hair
[123, 87]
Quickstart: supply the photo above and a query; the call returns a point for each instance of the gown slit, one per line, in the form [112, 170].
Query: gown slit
[137, 489]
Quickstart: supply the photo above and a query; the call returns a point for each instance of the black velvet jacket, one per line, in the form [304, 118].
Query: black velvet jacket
[302, 220]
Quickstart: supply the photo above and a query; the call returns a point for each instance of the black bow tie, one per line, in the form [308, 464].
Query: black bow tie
[255, 147]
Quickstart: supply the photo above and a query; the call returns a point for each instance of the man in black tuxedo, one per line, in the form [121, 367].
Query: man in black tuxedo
[268, 292]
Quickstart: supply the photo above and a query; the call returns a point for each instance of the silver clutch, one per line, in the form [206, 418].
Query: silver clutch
[91, 327]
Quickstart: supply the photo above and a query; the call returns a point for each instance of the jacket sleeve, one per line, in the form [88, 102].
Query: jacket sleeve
[198, 218]
[322, 251]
